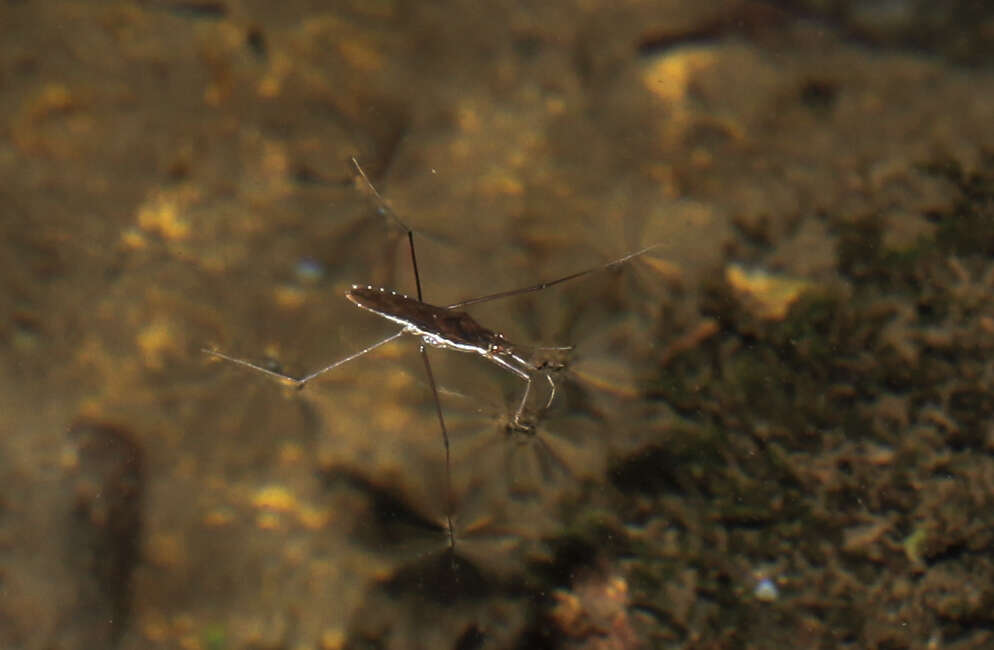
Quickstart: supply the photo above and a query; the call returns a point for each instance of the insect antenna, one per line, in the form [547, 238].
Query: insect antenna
[385, 208]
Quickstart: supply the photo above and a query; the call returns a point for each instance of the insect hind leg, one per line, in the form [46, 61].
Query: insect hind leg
[294, 381]
[300, 382]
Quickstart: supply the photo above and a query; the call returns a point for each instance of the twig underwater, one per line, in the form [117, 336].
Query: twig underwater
[447, 328]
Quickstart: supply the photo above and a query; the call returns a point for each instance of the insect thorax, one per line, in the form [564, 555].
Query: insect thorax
[437, 326]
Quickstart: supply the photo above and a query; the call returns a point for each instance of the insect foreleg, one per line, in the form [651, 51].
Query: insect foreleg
[552, 392]
[520, 372]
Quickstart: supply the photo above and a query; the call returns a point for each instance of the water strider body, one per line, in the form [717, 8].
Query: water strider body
[439, 327]
[450, 329]
[445, 327]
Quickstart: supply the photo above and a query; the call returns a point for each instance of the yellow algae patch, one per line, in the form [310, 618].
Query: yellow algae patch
[608, 375]
[914, 544]
[769, 296]
[167, 550]
[669, 76]
[153, 341]
[392, 418]
[468, 119]
[53, 98]
[161, 214]
[273, 500]
[861, 537]
[275, 159]
[290, 453]
[268, 521]
[701, 332]
[271, 83]
[333, 639]
[313, 518]
[555, 106]
[219, 517]
[501, 184]
[360, 55]
[669, 271]
[68, 457]
[133, 238]
[398, 379]
[290, 297]
[190, 642]
[879, 455]
[154, 627]
[391, 351]
[52, 108]
[275, 497]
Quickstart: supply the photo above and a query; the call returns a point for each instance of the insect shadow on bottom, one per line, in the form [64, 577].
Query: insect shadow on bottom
[447, 328]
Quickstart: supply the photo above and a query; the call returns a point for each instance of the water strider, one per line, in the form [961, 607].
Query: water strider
[445, 327]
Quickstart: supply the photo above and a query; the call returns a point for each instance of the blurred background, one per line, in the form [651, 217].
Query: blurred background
[776, 429]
